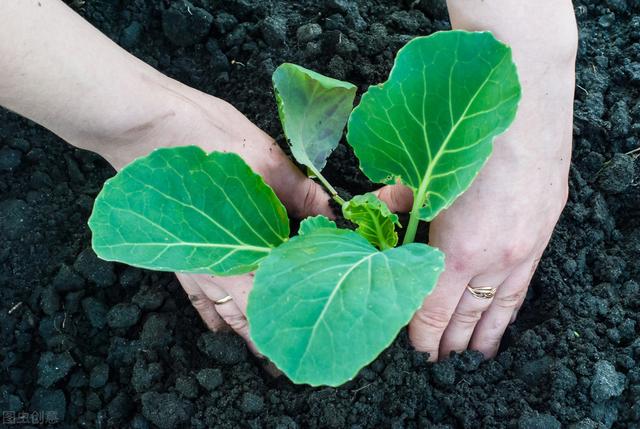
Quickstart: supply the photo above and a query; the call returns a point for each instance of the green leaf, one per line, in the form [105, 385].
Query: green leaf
[326, 303]
[313, 110]
[374, 219]
[311, 224]
[180, 209]
[432, 123]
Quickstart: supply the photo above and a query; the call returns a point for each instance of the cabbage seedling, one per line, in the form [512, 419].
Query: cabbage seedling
[326, 302]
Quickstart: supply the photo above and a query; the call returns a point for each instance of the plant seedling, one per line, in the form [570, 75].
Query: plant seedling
[325, 302]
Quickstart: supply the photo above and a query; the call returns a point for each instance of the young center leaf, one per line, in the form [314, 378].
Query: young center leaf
[375, 221]
[432, 123]
[313, 110]
[179, 209]
[326, 303]
[314, 223]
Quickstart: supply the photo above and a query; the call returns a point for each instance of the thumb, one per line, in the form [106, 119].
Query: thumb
[311, 199]
[398, 198]
[301, 196]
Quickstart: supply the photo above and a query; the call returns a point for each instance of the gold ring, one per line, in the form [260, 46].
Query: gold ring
[223, 300]
[484, 292]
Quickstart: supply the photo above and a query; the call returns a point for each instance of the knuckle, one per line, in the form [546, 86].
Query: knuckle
[463, 258]
[199, 302]
[434, 319]
[468, 317]
[515, 253]
[310, 195]
[236, 321]
[510, 301]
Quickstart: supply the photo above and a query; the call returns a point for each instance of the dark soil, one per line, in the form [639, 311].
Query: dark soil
[102, 345]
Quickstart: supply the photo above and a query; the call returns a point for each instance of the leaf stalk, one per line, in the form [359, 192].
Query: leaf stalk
[328, 187]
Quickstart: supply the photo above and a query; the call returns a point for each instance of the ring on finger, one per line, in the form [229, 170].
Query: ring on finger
[223, 300]
[482, 292]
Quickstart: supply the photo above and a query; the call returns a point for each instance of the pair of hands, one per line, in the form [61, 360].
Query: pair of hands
[59, 71]
[494, 235]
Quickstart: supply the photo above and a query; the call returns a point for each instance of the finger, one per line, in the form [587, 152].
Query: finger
[201, 302]
[431, 320]
[233, 311]
[514, 316]
[490, 329]
[301, 196]
[398, 198]
[534, 267]
[466, 315]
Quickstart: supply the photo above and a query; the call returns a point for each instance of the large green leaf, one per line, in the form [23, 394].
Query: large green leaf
[313, 110]
[180, 209]
[326, 303]
[432, 123]
[375, 221]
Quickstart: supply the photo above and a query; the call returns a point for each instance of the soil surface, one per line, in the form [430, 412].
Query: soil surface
[100, 345]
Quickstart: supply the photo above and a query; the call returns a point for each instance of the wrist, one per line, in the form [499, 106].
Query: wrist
[171, 114]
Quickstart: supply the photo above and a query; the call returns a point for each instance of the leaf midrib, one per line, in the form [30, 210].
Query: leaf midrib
[328, 304]
[421, 193]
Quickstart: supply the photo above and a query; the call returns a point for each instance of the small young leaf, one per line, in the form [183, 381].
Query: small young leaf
[374, 219]
[179, 209]
[432, 123]
[311, 224]
[326, 303]
[313, 110]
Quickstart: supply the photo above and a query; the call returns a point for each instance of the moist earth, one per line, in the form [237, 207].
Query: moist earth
[101, 345]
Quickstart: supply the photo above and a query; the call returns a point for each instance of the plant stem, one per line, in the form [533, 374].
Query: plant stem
[412, 227]
[328, 187]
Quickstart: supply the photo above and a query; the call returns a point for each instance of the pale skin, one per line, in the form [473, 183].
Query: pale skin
[62, 73]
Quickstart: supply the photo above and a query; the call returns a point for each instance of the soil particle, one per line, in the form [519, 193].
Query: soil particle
[95, 312]
[53, 367]
[607, 382]
[251, 403]
[308, 32]
[156, 332]
[123, 315]
[15, 218]
[20, 144]
[618, 175]
[49, 301]
[224, 22]
[67, 280]
[148, 299]
[219, 61]
[210, 378]
[10, 159]
[130, 277]
[145, 375]
[118, 409]
[444, 373]
[131, 34]
[99, 375]
[185, 24]
[538, 421]
[274, 31]
[227, 349]
[166, 410]
[47, 400]
[95, 270]
[409, 21]
[187, 386]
